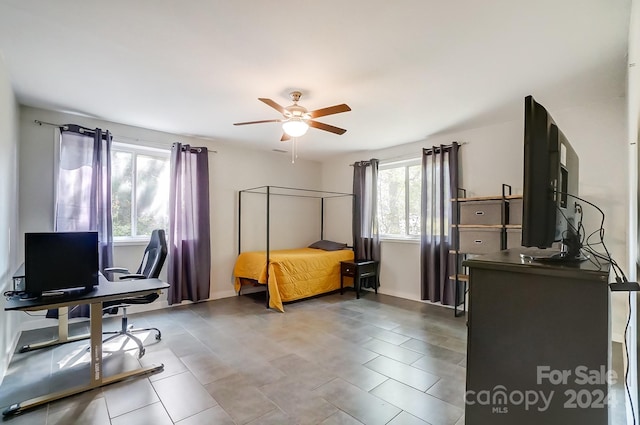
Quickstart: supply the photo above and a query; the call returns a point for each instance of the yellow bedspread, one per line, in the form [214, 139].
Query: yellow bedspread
[293, 273]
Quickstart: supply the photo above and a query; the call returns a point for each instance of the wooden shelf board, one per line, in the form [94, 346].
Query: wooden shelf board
[486, 198]
[462, 277]
[478, 198]
[478, 226]
[513, 226]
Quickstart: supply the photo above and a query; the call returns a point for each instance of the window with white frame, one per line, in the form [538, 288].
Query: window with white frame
[399, 185]
[139, 190]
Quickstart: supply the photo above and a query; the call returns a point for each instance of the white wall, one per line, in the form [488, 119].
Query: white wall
[231, 169]
[598, 134]
[9, 321]
[493, 155]
[633, 128]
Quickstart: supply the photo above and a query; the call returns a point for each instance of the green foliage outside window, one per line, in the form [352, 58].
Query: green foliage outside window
[399, 201]
[139, 192]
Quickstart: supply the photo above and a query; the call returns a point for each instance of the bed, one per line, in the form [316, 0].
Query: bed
[291, 274]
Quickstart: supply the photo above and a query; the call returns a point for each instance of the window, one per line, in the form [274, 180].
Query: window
[399, 199]
[139, 190]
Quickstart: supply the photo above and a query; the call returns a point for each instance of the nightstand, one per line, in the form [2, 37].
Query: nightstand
[358, 270]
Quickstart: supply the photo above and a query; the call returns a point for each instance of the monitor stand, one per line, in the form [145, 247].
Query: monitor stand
[26, 296]
[30, 296]
[570, 252]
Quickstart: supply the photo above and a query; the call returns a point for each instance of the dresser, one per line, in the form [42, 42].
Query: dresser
[539, 331]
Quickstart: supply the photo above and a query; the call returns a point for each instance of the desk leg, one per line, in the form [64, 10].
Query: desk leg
[63, 334]
[96, 380]
[63, 323]
[96, 344]
[17, 408]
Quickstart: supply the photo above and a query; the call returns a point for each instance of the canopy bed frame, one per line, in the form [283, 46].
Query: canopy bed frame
[268, 192]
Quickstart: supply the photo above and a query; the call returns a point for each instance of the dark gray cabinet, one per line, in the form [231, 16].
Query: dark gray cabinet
[538, 341]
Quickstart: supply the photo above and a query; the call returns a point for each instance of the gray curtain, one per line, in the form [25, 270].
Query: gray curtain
[189, 269]
[366, 239]
[439, 183]
[83, 194]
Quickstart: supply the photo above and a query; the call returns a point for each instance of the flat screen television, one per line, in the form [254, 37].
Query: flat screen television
[551, 169]
[59, 261]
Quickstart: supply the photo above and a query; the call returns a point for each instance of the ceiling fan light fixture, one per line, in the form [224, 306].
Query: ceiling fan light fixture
[295, 127]
[296, 119]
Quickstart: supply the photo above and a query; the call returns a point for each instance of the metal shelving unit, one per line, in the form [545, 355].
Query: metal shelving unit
[460, 277]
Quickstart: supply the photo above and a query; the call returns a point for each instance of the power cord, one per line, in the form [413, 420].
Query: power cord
[626, 372]
[12, 294]
[620, 278]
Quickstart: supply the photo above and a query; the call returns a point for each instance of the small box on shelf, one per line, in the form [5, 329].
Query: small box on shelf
[480, 212]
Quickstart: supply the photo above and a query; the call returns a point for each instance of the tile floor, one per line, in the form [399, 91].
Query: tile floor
[329, 360]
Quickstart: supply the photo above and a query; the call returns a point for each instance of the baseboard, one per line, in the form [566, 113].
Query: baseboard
[227, 293]
[397, 294]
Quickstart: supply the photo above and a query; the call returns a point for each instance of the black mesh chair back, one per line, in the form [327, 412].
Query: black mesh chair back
[154, 255]
[152, 261]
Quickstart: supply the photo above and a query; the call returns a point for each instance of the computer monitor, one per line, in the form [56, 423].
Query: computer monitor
[59, 261]
[550, 186]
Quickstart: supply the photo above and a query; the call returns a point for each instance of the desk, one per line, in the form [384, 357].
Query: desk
[105, 291]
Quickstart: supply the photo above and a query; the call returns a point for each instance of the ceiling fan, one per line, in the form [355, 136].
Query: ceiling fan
[296, 119]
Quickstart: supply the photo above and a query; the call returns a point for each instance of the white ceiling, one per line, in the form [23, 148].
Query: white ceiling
[407, 68]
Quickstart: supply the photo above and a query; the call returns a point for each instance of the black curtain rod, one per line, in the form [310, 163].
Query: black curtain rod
[192, 150]
[185, 147]
[437, 149]
[81, 129]
[65, 127]
[363, 163]
[428, 151]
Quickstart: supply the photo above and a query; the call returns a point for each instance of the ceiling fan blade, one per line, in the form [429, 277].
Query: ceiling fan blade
[326, 127]
[335, 109]
[285, 137]
[273, 104]
[255, 122]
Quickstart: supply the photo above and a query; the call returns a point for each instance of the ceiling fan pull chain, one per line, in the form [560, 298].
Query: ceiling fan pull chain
[294, 155]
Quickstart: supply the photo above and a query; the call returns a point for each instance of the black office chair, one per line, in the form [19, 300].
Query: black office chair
[154, 255]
